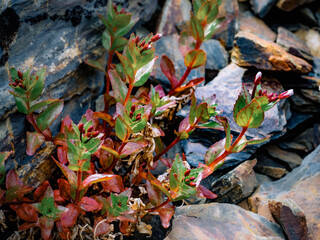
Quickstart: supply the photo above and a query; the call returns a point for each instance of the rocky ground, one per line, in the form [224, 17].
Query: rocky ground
[268, 191]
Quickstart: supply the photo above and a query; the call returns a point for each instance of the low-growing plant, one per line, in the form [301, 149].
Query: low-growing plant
[107, 160]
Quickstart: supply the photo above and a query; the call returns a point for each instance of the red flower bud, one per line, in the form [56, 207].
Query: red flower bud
[138, 117]
[192, 178]
[146, 46]
[186, 173]
[260, 92]
[20, 75]
[142, 43]
[95, 134]
[286, 94]
[90, 129]
[192, 184]
[264, 92]
[257, 79]
[270, 95]
[273, 99]
[137, 39]
[187, 180]
[131, 114]
[21, 85]
[175, 175]
[80, 127]
[156, 37]
[14, 84]
[133, 108]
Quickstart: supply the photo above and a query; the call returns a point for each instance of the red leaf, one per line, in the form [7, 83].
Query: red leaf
[203, 192]
[101, 226]
[28, 225]
[124, 225]
[113, 185]
[105, 157]
[40, 191]
[166, 161]
[12, 179]
[69, 174]
[105, 117]
[154, 194]
[64, 188]
[96, 178]
[184, 125]
[62, 153]
[64, 232]
[2, 198]
[57, 197]
[46, 226]
[89, 204]
[27, 212]
[132, 147]
[66, 122]
[166, 213]
[193, 82]
[168, 70]
[69, 217]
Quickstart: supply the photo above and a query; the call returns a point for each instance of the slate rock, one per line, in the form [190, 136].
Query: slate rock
[168, 45]
[270, 167]
[311, 94]
[303, 104]
[236, 185]
[290, 158]
[217, 56]
[221, 221]
[173, 12]
[292, 44]
[312, 39]
[249, 23]
[262, 7]
[250, 50]
[289, 5]
[301, 186]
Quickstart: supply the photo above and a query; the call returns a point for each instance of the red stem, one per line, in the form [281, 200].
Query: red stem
[117, 159]
[79, 179]
[128, 94]
[106, 104]
[164, 151]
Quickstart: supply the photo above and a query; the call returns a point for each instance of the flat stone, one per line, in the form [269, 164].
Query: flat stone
[289, 5]
[312, 39]
[217, 56]
[236, 185]
[221, 221]
[312, 94]
[269, 167]
[262, 7]
[292, 44]
[290, 158]
[304, 105]
[301, 186]
[250, 50]
[168, 45]
[249, 23]
[173, 12]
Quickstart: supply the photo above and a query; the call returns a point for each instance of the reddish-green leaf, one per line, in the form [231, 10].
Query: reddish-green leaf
[46, 118]
[127, 66]
[207, 12]
[37, 83]
[120, 89]
[195, 58]
[101, 227]
[133, 147]
[95, 64]
[70, 175]
[197, 30]
[165, 214]
[113, 185]
[224, 122]
[119, 43]
[40, 191]
[215, 151]
[203, 192]
[89, 204]
[46, 226]
[250, 116]
[69, 217]
[186, 43]
[168, 70]
[190, 84]
[3, 157]
[106, 40]
[122, 130]
[154, 194]
[94, 178]
[143, 73]
[27, 212]
[34, 141]
[64, 188]
[21, 104]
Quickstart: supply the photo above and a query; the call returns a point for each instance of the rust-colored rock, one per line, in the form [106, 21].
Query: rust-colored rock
[219, 221]
[301, 186]
[250, 50]
[289, 5]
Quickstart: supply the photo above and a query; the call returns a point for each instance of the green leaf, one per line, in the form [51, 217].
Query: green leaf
[139, 126]
[250, 116]
[37, 84]
[202, 113]
[179, 169]
[13, 74]
[143, 73]
[243, 143]
[215, 151]
[211, 124]
[120, 89]
[106, 40]
[21, 105]
[226, 126]
[195, 58]
[240, 103]
[264, 103]
[3, 157]
[193, 108]
[119, 43]
[95, 64]
[47, 206]
[197, 30]
[186, 43]
[207, 12]
[127, 66]
[119, 205]
[121, 20]
[46, 118]
[41, 104]
[212, 28]
[122, 31]
[122, 130]
[34, 141]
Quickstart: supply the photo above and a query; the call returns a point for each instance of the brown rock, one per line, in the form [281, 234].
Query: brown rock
[288, 5]
[249, 23]
[250, 50]
[237, 184]
[301, 186]
[221, 222]
[173, 12]
[312, 39]
[292, 44]
[269, 167]
[290, 158]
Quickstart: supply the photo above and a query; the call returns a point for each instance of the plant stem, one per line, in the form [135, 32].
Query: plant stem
[164, 151]
[117, 159]
[106, 104]
[79, 179]
[128, 94]
[34, 124]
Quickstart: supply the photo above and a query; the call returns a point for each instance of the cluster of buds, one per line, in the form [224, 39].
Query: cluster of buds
[188, 181]
[136, 118]
[18, 82]
[116, 9]
[272, 97]
[89, 134]
[147, 45]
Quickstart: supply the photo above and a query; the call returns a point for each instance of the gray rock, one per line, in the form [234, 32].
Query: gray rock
[262, 7]
[301, 186]
[217, 56]
[221, 221]
[289, 5]
[269, 167]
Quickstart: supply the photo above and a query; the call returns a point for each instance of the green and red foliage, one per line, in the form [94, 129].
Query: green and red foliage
[107, 158]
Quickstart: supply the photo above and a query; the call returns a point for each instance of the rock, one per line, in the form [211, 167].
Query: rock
[308, 16]
[292, 44]
[304, 105]
[173, 12]
[269, 167]
[217, 56]
[312, 39]
[221, 221]
[250, 50]
[261, 178]
[290, 158]
[168, 45]
[236, 185]
[289, 5]
[262, 7]
[291, 218]
[249, 23]
[301, 186]
[311, 94]
[228, 8]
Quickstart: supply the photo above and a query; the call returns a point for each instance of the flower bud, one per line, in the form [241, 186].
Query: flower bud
[95, 134]
[257, 79]
[133, 108]
[142, 43]
[80, 127]
[20, 75]
[90, 129]
[146, 46]
[192, 184]
[156, 37]
[273, 99]
[187, 180]
[186, 173]
[286, 94]
[131, 114]
[264, 92]
[137, 39]
[260, 92]
[192, 178]
[175, 175]
[270, 95]
[21, 85]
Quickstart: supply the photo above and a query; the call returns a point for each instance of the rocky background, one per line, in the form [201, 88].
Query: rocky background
[265, 191]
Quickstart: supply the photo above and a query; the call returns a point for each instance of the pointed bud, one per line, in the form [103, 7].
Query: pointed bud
[80, 127]
[142, 43]
[122, 11]
[138, 117]
[270, 95]
[21, 85]
[186, 173]
[260, 92]
[192, 184]
[257, 79]
[137, 39]
[286, 94]
[264, 92]
[156, 37]
[90, 129]
[273, 99]
[146, 46]
[95, 134]
[133, 108]
[187, 180]
[14, 84]
[192, 178]
[131, 114]
[175, 175]
[20, 75]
